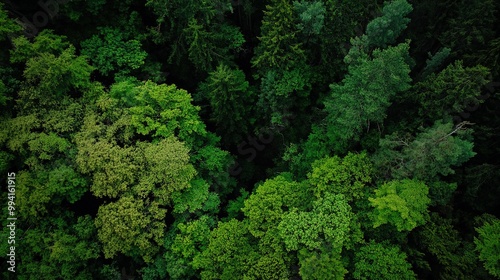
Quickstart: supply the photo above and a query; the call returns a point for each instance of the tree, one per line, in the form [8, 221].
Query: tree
[8, 26]
[229, 94]
[450, 91]
[348, 176]
[60, 246]
[488, 245]
[134, 224]
[381, 261]
[228, 255]
[163, 110]
[470, 29]
[455, 257]
[323, 265]
[110, 52]
[328, 224]
[284, 90]
[197, 31]
[365, 94]
[45, 42]
[426, 156]
[278, 48]
[311, 17]
[208, 48]
[400, 203]
[358, 103]
[343, 20]
[435, 61]
[384, 30]
[52, 71]
[190, 241]
[131, 226]
[270, 201]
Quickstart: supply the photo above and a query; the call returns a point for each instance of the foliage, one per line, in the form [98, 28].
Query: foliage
[455, 257]
[427, 155]
[228, 254]
[7, 25]
[488, 245]
[381, 261]
[311, 15]
[401, 203]
[228, 94]
[129, 134]
[348, 176]
[282, 90]
[384, 30]
[435, 61]
[322, 265]
[130, 223]
[327, 224]
[189, 242]
[450, 91]
[110, 52]
[278, 47]
[365, 94]
[270, 201]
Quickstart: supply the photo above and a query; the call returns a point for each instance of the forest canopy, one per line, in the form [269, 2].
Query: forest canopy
[277, 139]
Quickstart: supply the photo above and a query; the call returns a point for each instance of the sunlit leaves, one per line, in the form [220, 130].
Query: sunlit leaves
[328, 223]
[488, 246]
[228, 255]
[348, 176]
[163, 111]
[401, 203]
[45, 42]
[130, 223]
[265, 207]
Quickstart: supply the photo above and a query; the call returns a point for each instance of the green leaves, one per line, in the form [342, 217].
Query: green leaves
[192, 238]
[229, 95]
[348, 176]
[163, 111]
[228, 255]
[7, 26]
[311, 15]
[265, 207]
[384, 30]
[488, 246]
[110, 52]
[400, 203]
[327, 224]
[324, 266]
[278, 46]
[441, 240]
[360, 101]
[207, 48]
[129, 224]
[431, 153]
[450, 91]
[45, 42]
[381, 261]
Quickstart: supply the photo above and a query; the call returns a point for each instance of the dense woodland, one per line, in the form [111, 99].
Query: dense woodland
[277, 139]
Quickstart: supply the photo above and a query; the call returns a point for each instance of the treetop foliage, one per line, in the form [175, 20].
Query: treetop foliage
[284, 139]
